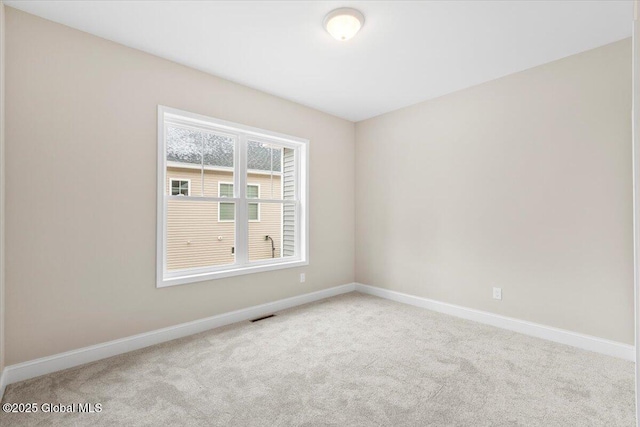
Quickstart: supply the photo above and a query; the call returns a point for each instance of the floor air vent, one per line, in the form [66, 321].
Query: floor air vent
[262, 318]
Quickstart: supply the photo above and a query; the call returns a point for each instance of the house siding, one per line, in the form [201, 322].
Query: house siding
[289, 193]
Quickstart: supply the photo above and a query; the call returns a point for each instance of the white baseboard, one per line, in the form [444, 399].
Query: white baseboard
[586, 342]
[46, 365]
[3, 382]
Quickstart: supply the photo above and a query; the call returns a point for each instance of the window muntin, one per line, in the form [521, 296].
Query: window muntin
[179, 187]
[261, 228]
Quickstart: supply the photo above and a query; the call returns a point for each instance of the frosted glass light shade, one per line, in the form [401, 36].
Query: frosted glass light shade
[343, 23]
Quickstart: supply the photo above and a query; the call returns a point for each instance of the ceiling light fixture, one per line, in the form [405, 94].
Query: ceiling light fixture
[343, 23]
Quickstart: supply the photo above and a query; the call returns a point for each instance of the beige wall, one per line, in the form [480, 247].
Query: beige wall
[81, 190]
[523, 183]
[195, 237]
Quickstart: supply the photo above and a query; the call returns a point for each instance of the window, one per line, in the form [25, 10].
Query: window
[180, 187]
[231, 199]
[226, 211]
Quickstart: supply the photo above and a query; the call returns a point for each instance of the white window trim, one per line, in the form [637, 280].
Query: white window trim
[249, 184]
[242, 264]
[180, 179]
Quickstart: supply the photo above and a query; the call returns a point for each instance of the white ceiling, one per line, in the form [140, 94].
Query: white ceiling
[407, 52]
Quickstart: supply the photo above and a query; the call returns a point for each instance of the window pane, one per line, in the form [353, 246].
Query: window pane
[263, 157]
[269, 165]
[253, 191]
[184, 146]
[184, 159]
[227, 211]
[254, 214]
[218, 162]
[195, 238]
[179, 187]
[278, 222]
[201, 156]
[226, 190]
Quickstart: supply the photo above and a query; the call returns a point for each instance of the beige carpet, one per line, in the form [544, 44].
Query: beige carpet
[353, 360]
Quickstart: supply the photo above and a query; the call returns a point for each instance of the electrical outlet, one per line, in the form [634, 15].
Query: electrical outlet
[497, 293]
[302, 278]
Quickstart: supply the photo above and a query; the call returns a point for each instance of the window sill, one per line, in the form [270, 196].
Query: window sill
[163, 282]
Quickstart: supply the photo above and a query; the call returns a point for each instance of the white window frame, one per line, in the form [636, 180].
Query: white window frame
[180, 179]
[241, 134]
[249, 184]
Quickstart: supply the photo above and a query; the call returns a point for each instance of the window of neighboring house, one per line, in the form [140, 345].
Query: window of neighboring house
[180, 187]
[232, 226]
[226, 211]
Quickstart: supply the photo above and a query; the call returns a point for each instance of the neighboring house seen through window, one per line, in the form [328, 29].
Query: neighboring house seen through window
[232, 199]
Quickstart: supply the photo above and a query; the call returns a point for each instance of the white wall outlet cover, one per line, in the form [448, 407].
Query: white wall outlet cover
[302, 278]
[497, 293]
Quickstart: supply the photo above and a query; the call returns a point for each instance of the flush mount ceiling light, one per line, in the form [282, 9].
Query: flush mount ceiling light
[343, 23]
